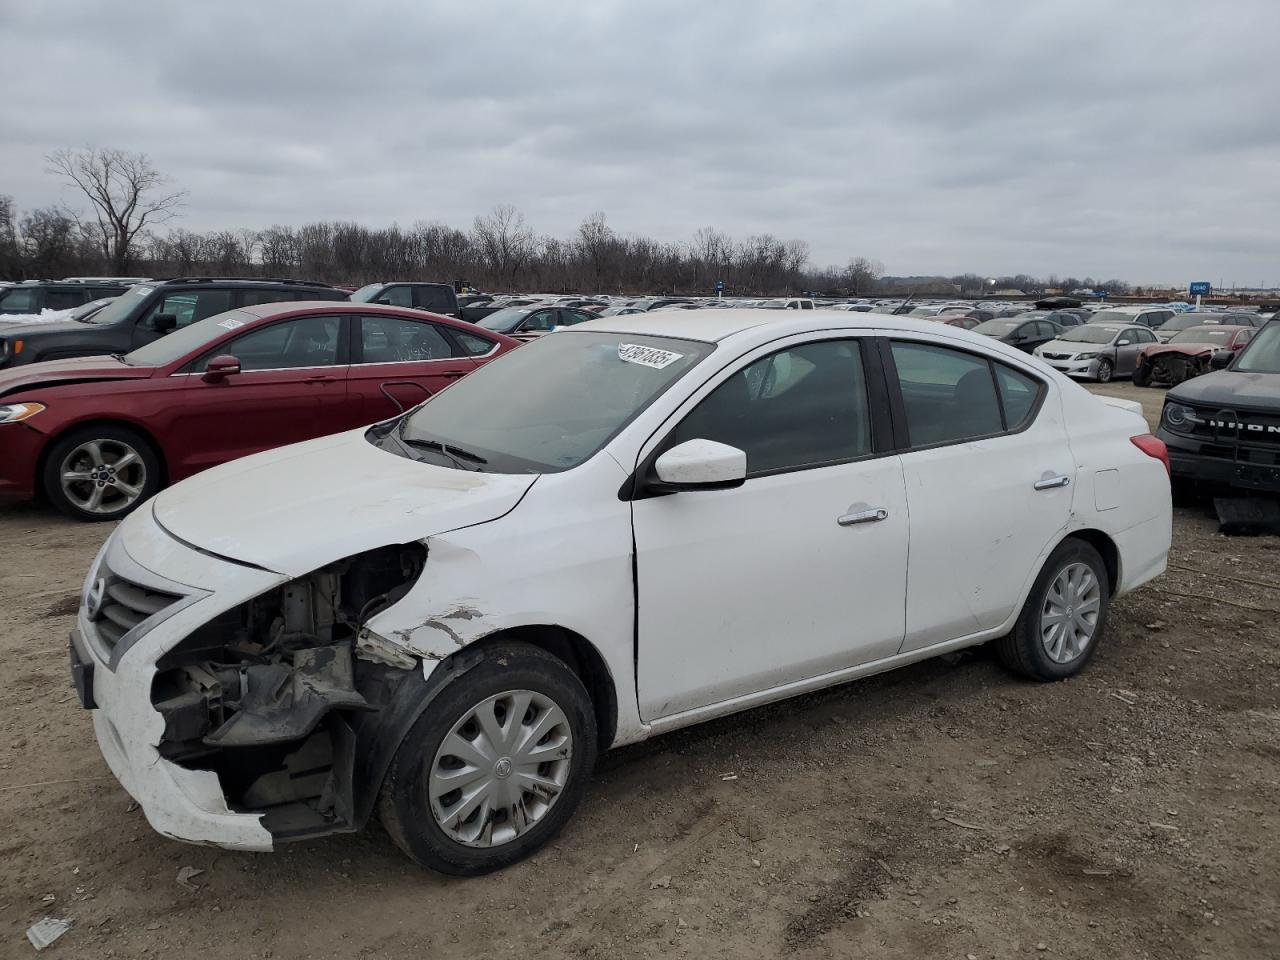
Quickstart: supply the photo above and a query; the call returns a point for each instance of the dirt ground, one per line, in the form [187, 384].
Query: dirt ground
[947, 810]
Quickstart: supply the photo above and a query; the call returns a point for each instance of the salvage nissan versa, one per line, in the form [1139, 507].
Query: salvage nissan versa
[443, 618]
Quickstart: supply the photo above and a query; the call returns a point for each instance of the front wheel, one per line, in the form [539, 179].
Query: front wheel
[1105, 371]
[100, 473]
[496, 765]
[1063, 620]
[1142, 376]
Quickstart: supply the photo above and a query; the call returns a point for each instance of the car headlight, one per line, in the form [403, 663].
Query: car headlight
[13, 412]
[1086, 354]
[1178, 416]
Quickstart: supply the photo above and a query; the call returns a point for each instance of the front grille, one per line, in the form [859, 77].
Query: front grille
[117, 605]
[1057, 356]
[1234, 428]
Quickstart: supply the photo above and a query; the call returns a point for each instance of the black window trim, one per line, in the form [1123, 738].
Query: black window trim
[902, 439]
[873, 372]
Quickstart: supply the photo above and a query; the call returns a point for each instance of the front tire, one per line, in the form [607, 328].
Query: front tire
[100, 473]
[1064, 618]
[495, 767]
[1105, 371]
[1142, 376]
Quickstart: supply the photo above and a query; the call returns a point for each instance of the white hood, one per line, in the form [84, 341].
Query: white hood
[296, 508]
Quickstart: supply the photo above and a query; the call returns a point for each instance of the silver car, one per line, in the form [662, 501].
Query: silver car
[1097, 351]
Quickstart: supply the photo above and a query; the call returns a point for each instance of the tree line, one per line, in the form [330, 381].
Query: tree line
[128, 199]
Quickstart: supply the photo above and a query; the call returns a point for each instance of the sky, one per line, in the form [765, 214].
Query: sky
[1137, 139]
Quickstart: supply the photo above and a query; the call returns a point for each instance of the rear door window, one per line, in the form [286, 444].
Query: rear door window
[948, 395]
[396, 340]
[64, 299]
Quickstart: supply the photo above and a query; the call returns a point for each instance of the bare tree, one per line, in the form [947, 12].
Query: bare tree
[126, 192]
[863, 273]
[504, 241]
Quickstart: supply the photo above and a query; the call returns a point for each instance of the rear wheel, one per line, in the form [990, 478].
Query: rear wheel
[1105, 370]
[496, 765]
[100, 473]
[1064, 617]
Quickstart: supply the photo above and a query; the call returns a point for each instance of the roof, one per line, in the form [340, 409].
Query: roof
[717, 325]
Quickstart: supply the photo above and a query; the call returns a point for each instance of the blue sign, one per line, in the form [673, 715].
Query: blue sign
[1200, 288]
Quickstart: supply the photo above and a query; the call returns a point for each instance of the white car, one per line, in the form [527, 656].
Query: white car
[446, 616]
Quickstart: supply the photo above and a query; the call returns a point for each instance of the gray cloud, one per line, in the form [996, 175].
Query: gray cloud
[1137, 140]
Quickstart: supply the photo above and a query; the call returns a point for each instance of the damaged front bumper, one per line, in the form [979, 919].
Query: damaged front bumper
[241, 716]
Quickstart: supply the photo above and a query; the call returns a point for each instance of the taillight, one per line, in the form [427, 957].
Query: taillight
[1153, 447]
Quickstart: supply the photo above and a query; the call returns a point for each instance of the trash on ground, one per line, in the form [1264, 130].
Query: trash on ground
[44, 932]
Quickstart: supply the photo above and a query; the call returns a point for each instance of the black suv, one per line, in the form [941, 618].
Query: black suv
[32, 296]
[146, 312]
[433, 297]
[1223, 428]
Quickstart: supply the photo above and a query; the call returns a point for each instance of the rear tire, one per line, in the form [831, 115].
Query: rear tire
[100, 473]
[1064, 618]
[432, 824]
[1105, 370]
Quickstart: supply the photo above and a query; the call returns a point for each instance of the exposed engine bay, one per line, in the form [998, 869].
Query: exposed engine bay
[269, 695]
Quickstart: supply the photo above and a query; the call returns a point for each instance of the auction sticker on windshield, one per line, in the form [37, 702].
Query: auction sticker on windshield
[231, 323]
[647, 356]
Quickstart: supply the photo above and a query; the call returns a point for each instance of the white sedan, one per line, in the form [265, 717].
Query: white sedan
[635, 525]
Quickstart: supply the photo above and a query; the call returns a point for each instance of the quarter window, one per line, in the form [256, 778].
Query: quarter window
[801, 407]
[1018, 394]
[395, 340]
[471, 344]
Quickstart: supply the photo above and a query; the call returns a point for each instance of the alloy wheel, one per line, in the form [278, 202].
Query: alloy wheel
[103, 476]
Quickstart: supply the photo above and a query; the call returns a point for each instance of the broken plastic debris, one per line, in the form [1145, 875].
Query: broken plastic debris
[186, 875]
[43, 933]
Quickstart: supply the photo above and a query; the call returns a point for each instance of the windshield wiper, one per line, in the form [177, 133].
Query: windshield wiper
[121, 358]
[453, 453]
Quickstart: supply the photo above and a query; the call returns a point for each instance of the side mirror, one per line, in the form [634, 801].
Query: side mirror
[700, 465]
[1123, 343]
[164, 323]
[221, 367]
[1222, 359]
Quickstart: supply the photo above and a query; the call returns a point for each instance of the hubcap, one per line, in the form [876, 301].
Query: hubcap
[500, 768]
[1069, 616]
[103, 476]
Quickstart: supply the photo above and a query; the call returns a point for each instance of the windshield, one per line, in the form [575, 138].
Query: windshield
[120, 308]
[504, 320]
[366, 293]
[997, 328]
[1111, 316]
[176, 345]
[1221, 335]
[1263, 354]
[1185, 320]
[568, 396]
[1089, 334]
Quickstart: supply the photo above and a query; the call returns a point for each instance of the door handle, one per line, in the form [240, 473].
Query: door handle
[320, 379]
[1052, 483]
[863, 516]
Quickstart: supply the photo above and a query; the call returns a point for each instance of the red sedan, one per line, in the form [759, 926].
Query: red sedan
[98, 435]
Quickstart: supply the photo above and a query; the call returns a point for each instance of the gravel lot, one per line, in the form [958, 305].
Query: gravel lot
[945, 810]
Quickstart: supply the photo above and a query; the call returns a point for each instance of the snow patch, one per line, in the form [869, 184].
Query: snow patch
[44, 316]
